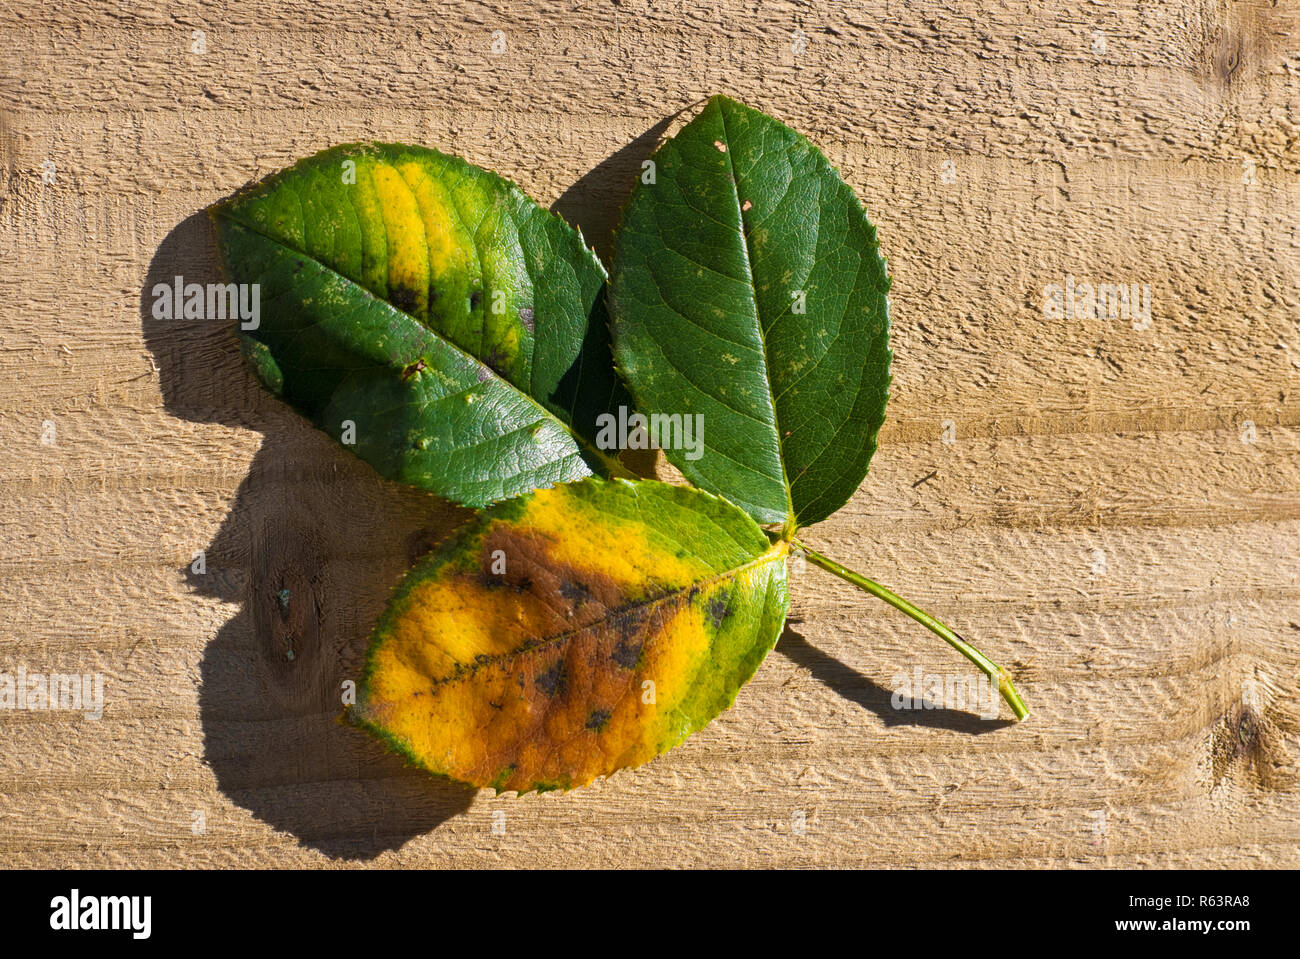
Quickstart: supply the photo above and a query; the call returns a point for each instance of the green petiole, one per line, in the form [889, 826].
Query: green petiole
[990, 669]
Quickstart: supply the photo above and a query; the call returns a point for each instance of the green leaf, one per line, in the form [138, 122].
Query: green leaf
[429, 315]
[573, 632]
[744, 226]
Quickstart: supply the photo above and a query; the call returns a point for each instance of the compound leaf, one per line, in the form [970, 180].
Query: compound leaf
[429, 315]
[747, 286]
[573, 632]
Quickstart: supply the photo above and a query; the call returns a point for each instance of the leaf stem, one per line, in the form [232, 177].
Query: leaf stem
[990, 669]
[617, 468]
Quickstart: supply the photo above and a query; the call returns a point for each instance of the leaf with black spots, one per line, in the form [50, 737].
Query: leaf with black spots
[573, 632]
[430, 316]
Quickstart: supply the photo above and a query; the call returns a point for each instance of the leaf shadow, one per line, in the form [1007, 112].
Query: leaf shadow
[862, 691]
[310, 548]
[595, 202]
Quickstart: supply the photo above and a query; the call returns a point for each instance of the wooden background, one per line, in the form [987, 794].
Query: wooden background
[999, 146]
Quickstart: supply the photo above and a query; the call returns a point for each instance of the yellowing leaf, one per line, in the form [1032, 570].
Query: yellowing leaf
[428, 315]
[574, 632]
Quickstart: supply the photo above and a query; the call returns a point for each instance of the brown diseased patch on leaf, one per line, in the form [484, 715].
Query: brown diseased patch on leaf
[404, 298]
[552, 681]
[535, 677]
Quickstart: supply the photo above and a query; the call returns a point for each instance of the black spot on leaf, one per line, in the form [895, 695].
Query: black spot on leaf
[403, 297]
[552, 681]
[627, 654]
[575, 592]
[719, 610]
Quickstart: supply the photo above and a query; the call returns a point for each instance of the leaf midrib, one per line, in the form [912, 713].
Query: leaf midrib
[773, 552]
[758, 320]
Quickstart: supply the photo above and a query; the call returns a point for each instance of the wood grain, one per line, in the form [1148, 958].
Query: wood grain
[1117, 519]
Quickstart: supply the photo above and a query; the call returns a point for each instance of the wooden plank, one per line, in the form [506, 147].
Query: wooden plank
[1110, 508]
